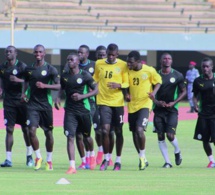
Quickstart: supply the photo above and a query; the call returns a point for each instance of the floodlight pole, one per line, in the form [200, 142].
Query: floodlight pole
[13, 5]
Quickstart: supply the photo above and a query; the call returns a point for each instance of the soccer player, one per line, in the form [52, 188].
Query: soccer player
[89, 66]
[77, 116]
[172, 90]
[204, 91]
[11, 73]
[144, 82]
[101, 54]
[111, 74]
[191, 75]
[41, 77]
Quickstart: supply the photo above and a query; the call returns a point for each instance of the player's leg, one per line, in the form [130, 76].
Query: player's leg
[85, 123]
[70, 127]
[46, 123]
[111, 145]
[117, 121]
[105, 113]
[9, 120]
[21, 119]
[80, 146]
[140, 126]
[172, 122]
[159, 123]
[98, 136]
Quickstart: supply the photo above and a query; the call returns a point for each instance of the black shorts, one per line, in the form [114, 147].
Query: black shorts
[205, 130]
[74, 123]
[96, 119]
[44, 119]
[15, 115]
[138, 119]
[166, 122]
[111, 115]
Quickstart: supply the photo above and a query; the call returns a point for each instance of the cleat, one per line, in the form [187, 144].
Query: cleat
[49, 166]
[104, 165]
[142, 164]
[167, 165]
[99, 158]
[38, 163]
[82, 166]
[117, 167]
[178, 158]
[71, 170]
[147, 163]
[211, 165]
[6, 163]
[29, 161]
[87, 166]
[110, 162]
[92, 162]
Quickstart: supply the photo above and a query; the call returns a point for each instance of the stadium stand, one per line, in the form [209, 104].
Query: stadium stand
[113, 15]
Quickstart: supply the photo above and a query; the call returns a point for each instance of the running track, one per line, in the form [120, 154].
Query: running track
[58, 116]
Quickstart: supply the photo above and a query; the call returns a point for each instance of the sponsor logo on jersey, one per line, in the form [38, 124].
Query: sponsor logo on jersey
[201, 84]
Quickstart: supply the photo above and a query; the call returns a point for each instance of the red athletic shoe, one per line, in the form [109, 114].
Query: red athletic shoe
[99, 158]
[71, 170]
[92, 162]
[110, 162]
[211, 165]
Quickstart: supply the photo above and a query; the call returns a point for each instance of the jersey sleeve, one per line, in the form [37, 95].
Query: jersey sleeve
[55, 75]
[156, 78]
[96, 73]
[195, 88]
[125, 80]
[90, 81]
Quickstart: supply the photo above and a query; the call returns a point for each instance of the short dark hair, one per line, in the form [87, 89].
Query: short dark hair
[135, 55]
[207, 59]
[12, 47]
[100, 47]
[86, 47]
[112, 47]
[39, 45]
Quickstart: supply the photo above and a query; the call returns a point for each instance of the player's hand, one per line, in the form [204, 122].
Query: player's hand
[24, 98]
[113, 85]
[160, 103]
[40, 85]
[13, 78]
[127, 98]
[151, 96]
[170, 104]
[1, 92]
[76, 96]
[57, 103]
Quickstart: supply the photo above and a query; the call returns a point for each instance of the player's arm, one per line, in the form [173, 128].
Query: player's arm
[195, 96]
[154, 92]
[16, 79]
[1, 87]
[124, 84]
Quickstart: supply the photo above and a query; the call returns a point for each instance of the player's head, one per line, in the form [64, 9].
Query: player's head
[83, 52]
[39, 52]
[192, 64]
[207, 66]
[73, 60]
[112, 53]
[134, 60]
[101, 52]
[10, 53]
[166, 60]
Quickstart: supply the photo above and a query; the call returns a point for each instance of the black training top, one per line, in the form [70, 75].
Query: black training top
[40, 99]
[78, 83]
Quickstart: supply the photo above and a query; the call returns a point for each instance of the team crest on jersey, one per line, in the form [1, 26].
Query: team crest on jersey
[91, 70]
[79, 80]
[172, 80]
[15, 72]
[117, 70]
[44, 73]
[144, 76]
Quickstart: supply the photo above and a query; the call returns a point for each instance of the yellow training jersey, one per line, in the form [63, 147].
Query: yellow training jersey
[140, 84]
[105, 73]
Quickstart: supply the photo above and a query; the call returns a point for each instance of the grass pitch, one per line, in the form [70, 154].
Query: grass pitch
[192, 177]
